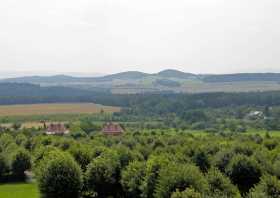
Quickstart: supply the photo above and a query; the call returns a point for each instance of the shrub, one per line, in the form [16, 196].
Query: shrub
[60, 176]
[268, 187]
[221, 185]
[222, 159]
[132, 178]
[3, 166]
[189, 193]
[82, 155]
[244, 172]
[180, 177]
[201, 159]
[21, 161]
[102, 175]
[153, 167]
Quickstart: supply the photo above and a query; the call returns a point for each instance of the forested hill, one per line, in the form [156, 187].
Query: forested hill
[23, 93]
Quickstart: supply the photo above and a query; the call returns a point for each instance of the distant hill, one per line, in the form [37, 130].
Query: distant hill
[171, 73]
[243, 77]
[164, 81]
[130, 75]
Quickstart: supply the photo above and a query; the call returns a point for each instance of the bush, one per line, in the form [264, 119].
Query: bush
[60, 176]
[268, 187]
[153, 167]
[180, 177]
[201, 159]
[244, 172]
[189, 193]
[222, 159]
[221, 185]
[82, 155]
[102, 175]
[3, 166]
[21, 161]
[132, 178]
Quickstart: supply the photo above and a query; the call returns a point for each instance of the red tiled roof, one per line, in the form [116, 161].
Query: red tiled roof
[112, 128]
[57, 128]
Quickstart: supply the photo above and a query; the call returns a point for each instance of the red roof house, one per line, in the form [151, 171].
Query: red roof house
[112, 129]
[56, 129]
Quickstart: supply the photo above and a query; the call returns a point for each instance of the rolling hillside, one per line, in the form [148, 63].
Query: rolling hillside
[164, 81]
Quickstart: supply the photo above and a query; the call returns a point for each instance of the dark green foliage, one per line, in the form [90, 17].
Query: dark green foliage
[21, 161]
[3, 166]
[180, 177]
[201, 159]
[244, 172]
[59, 176]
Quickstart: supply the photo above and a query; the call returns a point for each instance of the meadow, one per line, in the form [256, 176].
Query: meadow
[19, 190]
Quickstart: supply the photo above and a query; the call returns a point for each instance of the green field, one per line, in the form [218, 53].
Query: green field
[19, 190]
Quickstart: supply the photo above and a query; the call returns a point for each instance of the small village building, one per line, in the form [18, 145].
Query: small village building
[253, 115]
[111, 128]
[56, 129]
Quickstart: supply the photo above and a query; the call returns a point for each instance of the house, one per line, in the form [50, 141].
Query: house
[255, 115]
[56, 129]
[111, 128]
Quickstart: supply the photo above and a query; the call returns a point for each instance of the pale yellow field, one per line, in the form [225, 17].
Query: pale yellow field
[59, 108]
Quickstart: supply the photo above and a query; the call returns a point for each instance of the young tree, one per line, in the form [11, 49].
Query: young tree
[59, 176]
[180, 177]
[3, 166]
[153, 167]
[102, 175]
[220, 185]
[268, 187]
[188, 193]
[244, 172]
[21, 161]
[132, 179]
[201, 159]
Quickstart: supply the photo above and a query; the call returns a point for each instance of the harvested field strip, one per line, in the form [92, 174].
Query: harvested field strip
[58, 108]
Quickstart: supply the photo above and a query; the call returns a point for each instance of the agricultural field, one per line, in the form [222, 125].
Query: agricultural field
[19, 190]
[58, 108]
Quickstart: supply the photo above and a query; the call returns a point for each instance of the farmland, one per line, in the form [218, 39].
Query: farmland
[58, 108]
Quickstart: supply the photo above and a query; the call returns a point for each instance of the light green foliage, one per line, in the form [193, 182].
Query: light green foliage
[269, 187]
[103, 173]
[153, 168]
[220, 185]
[132, 178]
[188, 193]
[179, 177]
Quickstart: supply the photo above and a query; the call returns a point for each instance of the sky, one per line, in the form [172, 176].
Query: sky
[110, 36]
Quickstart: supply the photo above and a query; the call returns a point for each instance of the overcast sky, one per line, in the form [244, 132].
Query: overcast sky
[108, 36]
